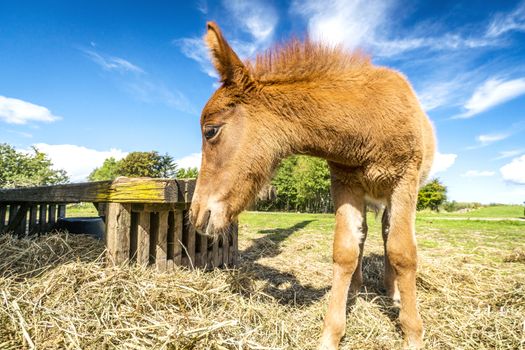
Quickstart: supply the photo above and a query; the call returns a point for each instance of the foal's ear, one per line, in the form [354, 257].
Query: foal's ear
[230, 67]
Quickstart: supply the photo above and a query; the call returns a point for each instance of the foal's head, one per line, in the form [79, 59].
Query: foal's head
[240, 148]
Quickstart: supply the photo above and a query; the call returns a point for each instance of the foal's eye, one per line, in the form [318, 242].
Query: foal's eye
[210, 131]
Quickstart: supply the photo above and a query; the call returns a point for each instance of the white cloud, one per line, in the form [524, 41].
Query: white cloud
[478, 173]
[255, 17]
[191, 161]
[509, 154]
[77, 161]
[514, 171]
[491, 93]
[112, 63]
[442, 162]
[15, 111]
[369, 24]
[506, 22]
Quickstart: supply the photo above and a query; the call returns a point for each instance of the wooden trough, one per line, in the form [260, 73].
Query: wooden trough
[146, 220]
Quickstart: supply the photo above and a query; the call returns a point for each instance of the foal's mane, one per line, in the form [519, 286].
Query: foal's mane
[300, 61]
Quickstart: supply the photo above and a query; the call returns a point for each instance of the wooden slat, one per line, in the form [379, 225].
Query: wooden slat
[121, 190]
[3, 217]
[225, 250]
[203, 250]
[42, 218]
[177, 236]
[143, 232]
[61, 211]
[235, 245]
[215, 252]
[21, 228]
[33, 223]
[133, 236]
[52, 216]
[118, 222]
[190, 247]
[161, 253]
[13, 209]
[16, 218]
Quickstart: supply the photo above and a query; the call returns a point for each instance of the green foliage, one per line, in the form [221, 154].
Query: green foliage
[108, 171]
[432, 195]
[187, 173]
[136, 164]
[18, 169]
[147, 164]
[302, 184]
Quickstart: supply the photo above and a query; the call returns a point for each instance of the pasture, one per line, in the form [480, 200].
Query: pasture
[56, 293]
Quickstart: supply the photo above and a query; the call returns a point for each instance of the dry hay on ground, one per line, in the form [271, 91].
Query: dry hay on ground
[55, 293]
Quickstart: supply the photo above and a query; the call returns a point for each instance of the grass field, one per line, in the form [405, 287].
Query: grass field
[56, 293]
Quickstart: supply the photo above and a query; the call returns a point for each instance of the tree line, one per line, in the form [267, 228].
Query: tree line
[300, 183]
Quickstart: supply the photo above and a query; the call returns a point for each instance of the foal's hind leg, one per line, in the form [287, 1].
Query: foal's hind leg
[390, 280]
[357, 277]
[349, 204]
[402, 254]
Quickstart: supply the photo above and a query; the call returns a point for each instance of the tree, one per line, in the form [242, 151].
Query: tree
[187, 173]
[19, 169]
[136, 164]
[108, 171]
[302, 184]
[432, 195]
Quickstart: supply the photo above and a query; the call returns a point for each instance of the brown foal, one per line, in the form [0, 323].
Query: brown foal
[366, 121]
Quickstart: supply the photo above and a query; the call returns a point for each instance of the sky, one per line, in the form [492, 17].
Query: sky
[86, 80]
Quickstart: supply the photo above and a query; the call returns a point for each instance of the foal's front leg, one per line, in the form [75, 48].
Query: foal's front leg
[349, 206]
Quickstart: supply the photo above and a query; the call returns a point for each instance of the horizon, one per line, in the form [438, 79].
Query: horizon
[86, 81]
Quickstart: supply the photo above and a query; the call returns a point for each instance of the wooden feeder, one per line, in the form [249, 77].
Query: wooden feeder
[146, 220]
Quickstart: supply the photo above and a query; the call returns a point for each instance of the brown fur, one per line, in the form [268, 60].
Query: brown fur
[307, 98]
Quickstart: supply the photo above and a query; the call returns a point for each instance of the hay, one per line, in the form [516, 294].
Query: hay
[56, 293]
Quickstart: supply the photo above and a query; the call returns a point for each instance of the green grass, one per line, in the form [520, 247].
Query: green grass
[495, 211]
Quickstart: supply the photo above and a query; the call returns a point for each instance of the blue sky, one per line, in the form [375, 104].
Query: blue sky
[85, 80]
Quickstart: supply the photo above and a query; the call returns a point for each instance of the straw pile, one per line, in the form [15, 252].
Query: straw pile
[56, 293]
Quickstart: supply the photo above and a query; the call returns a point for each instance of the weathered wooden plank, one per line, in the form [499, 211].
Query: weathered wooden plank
[122, 190]
[203, 250]
[33, 223]
[161, 252]
[190, 247]
[17, 214]
[52, 216]
[13, 209]
[21, 228]
[225, 249]
[61, 211]
[177, 236]
[3, 214]
[158, 207]
[118, 222]
[235, 244]
[143, 238]
[133, 236]
[42, 218]
[215, 252]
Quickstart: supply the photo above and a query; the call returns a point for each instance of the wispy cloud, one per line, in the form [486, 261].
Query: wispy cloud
[255, 18]
[491, 93]
[509, 154]
[140, 84]
[507, 22]
[112, 63]
[514, 171]
[15, 111]
[478, 173]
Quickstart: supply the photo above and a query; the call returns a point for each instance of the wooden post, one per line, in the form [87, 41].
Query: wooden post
[61, 211]
[42, 218]
[161, 250]
[52, 216]
[33, 226]
[118, 221]
[3, 211]
[143, 232]
[178, 219]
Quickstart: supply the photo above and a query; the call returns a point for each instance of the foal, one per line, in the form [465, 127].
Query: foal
[307, 98]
